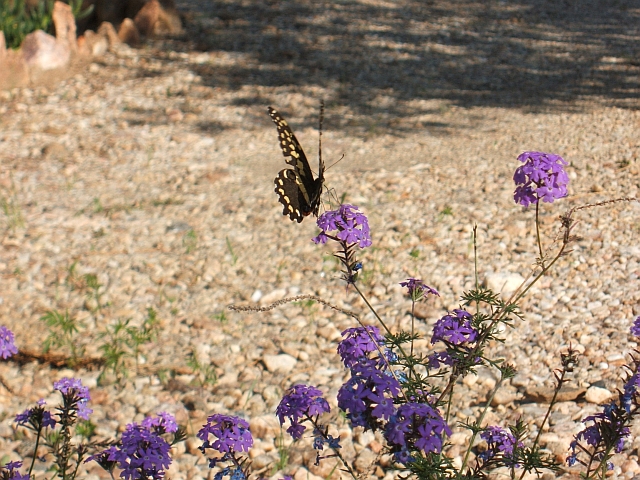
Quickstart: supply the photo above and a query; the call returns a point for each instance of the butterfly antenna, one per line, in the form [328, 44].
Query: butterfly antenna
[336, 162]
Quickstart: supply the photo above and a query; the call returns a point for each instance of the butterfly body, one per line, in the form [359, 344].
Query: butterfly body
[297, 189]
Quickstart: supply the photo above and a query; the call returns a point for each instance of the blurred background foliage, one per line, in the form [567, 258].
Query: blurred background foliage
[18, 18]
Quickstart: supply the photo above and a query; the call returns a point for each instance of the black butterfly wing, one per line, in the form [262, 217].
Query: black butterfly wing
[297, 190]
[290, 195]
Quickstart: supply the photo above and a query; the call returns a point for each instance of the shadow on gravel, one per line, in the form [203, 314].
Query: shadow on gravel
[385, 56]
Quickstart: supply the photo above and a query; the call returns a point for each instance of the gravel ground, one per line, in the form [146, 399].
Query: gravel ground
[153, 170]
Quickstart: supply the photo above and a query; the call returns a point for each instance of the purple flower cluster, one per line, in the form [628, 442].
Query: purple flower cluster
[36, 418]
[454, 329]
[9, 471]
[417, 289]
[357, 343]
[541, 177]
[608, 428]
[635, 328]
[500, 442]
[367, 397]
[7, 346]
[301, 402]
[231, 434]
[415, 426]
[141, 453]
[163, 423]
[75, 395]
[351, 225]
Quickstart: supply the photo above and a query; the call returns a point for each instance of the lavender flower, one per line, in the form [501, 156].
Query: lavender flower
[417, 289]
[163, 423]
[454, 329]
[301, 402]
[500, 443]
[607, 431]
[9, 471]
[36, 418]
[75, 396]
[231, 434]
[7, 345]
[142, 454]
[541, 177]
[357, 344]
[351, 225]
[367, 397]
[635, 328]
[415, 426]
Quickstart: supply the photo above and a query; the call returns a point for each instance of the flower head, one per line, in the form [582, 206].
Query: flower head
[358, 343]
[500, 442]
[231, 434]
[9, 471]
[367, 397]
[142, 453]
[351, 225]
[417, 289]
[415, 426]
[635, 328]
[454, 329]
[541, 177]
[7, 345]
[163, 423]
[75, 396]
[37, 417]
[299, 403]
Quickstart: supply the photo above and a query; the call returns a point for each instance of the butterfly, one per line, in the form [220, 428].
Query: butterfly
[297, 190]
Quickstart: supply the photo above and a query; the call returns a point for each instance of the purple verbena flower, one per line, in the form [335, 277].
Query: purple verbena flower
[7, 345]
[357, 344]
[36, 418]
[635, 328]
[142, 454]
[300, 403]
[351, 226]
[367, 397]
[541, 177]
[104, 458]
[417, 289]
[231, 434]
[500, 442]
[454, 329]
[9, 471]
[163, 423]
[75, 396]
[608, 429]
[416, 426]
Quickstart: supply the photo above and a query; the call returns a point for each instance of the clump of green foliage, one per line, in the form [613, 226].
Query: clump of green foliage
[17, 19]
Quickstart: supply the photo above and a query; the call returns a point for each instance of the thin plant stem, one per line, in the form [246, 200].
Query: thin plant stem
[479, 421]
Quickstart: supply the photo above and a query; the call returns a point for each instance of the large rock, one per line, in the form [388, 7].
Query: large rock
[65, 25]
[40, 50]
[156, 19]
[13, 69]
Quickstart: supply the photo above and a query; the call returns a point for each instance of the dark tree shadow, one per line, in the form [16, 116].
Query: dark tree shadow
[385, 57]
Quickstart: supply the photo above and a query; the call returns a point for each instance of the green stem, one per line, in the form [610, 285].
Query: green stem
[479, 422]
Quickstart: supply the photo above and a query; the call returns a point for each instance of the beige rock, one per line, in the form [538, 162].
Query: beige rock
[128, 32]
[108, 30]
[597, 395]
[13, 70]
[65, 25]
[93, 45]
[157, 19]
[43, 52]
[3, 45]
